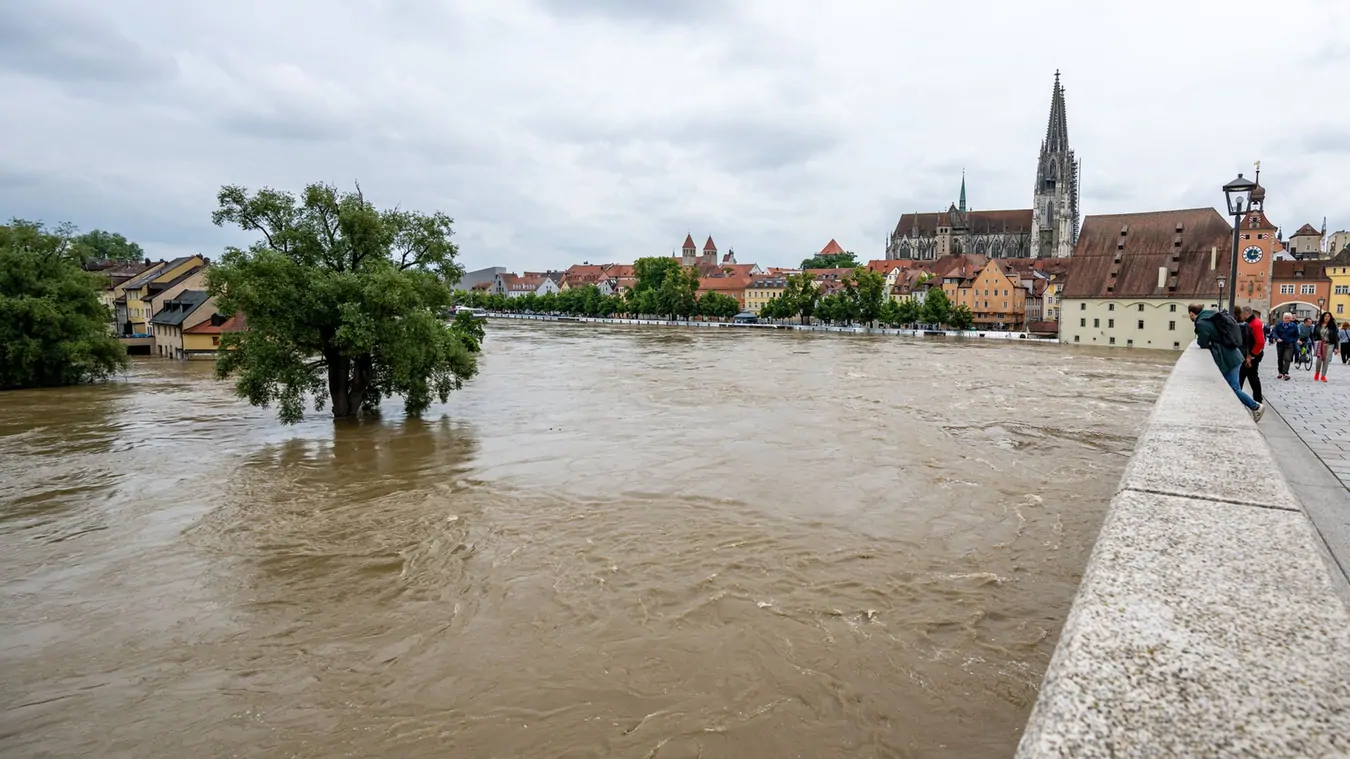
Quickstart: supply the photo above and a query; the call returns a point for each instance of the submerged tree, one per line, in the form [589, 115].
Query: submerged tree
[343, 301]
[54, 330]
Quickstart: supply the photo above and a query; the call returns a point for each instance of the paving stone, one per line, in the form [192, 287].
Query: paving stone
[1318, 412]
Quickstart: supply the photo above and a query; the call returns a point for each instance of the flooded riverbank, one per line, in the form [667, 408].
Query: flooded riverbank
[613, 542]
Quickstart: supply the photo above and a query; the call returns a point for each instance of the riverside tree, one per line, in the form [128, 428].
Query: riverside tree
[869, 291]
[718, 305]
[937, 307]
[343, 302]
[54, 330]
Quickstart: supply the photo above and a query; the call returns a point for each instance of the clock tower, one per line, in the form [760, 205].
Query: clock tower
[1256, 250]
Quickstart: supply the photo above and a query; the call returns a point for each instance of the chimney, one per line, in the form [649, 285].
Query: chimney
[1162, 277]
[1213, 257]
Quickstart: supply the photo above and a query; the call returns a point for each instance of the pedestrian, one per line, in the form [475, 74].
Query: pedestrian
[1254, 347]
[1344, 335]
[1212, 332]
[1285, 335]
[1326, 338]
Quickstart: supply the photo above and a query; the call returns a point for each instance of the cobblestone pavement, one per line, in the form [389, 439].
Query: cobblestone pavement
[1319, 412]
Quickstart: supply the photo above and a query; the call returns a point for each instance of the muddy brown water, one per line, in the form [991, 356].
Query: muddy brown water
[627, 542]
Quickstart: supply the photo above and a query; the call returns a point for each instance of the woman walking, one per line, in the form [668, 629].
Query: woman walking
[1345, 342]
[1326, 338]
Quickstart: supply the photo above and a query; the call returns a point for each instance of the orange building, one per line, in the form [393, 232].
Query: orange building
[733, 285]
[990, 288]
[1300, 287]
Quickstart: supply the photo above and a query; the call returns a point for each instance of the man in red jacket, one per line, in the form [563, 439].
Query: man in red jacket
[1254, 348]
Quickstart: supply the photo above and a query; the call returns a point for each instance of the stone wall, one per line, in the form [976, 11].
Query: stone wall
[1208, 622]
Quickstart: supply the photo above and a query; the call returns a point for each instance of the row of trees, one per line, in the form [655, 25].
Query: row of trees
[862, 298]
[664, 288]
[54, 329]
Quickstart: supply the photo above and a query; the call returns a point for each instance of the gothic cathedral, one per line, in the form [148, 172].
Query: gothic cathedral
[1049, 229]
[1054, 212]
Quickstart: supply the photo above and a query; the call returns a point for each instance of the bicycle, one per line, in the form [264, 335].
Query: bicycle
[1303, 357]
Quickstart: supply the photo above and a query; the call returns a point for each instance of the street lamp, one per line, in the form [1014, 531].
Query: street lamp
[1222, 281]
[1238, 194]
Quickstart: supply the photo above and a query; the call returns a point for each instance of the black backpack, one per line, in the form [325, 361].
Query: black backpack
[1227, 331]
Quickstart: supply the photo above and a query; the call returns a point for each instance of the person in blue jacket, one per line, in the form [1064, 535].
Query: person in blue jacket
[1228, 359]
[1285, 335]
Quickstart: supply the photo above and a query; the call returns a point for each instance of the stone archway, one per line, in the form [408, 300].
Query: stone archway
[1298, 308]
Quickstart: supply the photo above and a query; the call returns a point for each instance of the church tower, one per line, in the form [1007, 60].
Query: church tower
[1054, 214]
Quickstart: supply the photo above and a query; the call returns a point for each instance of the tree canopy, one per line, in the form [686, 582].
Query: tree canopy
[845, 260]
[664, 287]
[54, 330]
[106, 246]
[343, 301]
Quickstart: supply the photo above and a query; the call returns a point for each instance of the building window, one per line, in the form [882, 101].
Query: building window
[1082, 306]
[1075, 338]
[1111, 324]
[215, 339]
[1082, 322]
[1172, 326]
[1110, 307]
[1176, 345]
[1141, 306]
[1309, 289]
[1172, 308]
[1129, 343]
[1340, 308]
[1096, 323]
[1113, 341]
[1141, 324]
[1343, 289]
[1286, 289]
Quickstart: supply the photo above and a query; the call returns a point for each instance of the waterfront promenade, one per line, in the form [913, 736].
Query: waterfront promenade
[1309, 433]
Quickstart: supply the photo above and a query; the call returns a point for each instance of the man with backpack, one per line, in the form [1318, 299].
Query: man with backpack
[1254, 349]
[1220, 333]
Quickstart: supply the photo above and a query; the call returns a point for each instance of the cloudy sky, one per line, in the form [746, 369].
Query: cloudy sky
[557, 131]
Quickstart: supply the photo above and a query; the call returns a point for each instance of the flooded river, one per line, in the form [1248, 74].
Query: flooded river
[616, 541]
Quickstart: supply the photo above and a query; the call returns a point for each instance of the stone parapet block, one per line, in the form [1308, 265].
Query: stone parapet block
[1208, 622]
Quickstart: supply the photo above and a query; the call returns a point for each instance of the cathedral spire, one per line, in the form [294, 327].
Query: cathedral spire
[1057, 131]
[963, 190]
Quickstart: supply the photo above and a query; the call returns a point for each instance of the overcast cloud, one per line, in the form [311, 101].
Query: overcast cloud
[557, 131]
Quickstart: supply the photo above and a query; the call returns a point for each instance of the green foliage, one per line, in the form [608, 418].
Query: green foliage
[343, 302]
[718, 305]
[777, 307]
[890, 313]
[937, 307]
[846, 260]
[110, 246]
[907, 311]
[961, 317]
[869, 293]
[801, 296]
[651, 273]
[54, 330]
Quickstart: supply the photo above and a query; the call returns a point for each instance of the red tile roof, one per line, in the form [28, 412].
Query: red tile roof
[709, 246]
[886, 267]
[1306, 229]
[689, 242]
[832, 248]
[723, 284]
[1298, 271]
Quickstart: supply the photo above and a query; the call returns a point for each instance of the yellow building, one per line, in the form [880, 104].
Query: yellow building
[190, 308]
[760, 289]
[140, 292]
[1338, 270]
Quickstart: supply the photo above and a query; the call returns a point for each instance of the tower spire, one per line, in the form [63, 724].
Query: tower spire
[963, 190]
[1057, 131]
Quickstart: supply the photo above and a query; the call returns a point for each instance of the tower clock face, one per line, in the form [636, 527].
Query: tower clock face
[1252, 255]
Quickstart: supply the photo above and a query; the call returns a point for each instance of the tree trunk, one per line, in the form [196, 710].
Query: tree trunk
[339, 370]
[348, 381]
